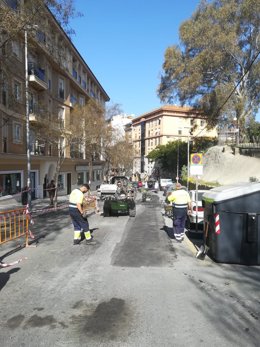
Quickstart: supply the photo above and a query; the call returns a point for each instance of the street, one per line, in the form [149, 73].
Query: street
[137, 287]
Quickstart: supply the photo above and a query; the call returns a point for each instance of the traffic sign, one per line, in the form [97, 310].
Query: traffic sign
[196, 167]
[196, 159]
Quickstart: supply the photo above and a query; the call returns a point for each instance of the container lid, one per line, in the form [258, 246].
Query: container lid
[230, 191]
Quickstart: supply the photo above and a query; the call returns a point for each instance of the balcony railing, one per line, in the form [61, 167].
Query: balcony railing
[37, 76]
[37, 148]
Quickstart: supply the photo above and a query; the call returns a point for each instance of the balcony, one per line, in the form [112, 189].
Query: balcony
[33, 113]
[37, 77]
[37, 148]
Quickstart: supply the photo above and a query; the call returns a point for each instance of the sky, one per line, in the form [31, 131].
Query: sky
[124, 41]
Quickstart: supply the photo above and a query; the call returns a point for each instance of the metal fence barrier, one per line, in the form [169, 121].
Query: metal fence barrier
[13, 225]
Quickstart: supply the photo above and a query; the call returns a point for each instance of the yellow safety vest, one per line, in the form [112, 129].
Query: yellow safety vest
[179, 198]
[76, 197]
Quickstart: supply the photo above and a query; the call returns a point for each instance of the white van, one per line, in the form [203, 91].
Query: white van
[165, 182]
[197, 213]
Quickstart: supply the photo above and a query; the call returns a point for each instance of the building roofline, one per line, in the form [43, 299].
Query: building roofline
[169, 108]
[77, 52]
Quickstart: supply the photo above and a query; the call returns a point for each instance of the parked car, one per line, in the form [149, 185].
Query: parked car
[196, 215]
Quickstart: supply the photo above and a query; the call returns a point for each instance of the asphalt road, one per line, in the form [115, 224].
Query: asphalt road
[136, 287]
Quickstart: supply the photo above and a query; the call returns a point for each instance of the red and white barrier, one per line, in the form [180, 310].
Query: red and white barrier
[217, 224]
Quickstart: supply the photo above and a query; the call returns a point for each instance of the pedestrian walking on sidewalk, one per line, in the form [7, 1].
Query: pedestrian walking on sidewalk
[51, 188]
[181, 201]
[76, 213]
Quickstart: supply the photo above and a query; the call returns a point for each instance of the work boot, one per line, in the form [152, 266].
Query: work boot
[91, 242]
[76, 242]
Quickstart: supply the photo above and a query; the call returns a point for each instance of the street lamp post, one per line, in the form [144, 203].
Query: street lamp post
[27, 116]
[188, 161]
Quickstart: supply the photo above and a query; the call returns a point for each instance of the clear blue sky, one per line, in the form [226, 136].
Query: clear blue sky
[123, 42]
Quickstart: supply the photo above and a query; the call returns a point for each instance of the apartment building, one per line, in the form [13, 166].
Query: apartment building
[120, 122]
[160, 126]
[58, 79]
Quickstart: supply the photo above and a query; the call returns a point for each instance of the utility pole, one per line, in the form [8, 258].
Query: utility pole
[177, 169]
[27, 117]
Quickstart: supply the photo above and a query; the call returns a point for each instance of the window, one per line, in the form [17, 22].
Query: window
[5, 134]
[4, 92]
[41, 36]
[80, 178]
[49, 78]
[17, 132]
[61, 116]
[73, 99]
[179, 132]
[61, 147]
[16, 49]
[17, 91]
[202, 123]
[98, 175]
[82, 101]
[12, 3]
[74, 73]
[50, 108]
[61, 91]
[61, 182]
[10, 183]
[32, 104]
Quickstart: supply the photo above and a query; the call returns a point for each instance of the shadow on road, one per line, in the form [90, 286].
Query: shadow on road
[195, 238]
[5, 276]
[169, 231]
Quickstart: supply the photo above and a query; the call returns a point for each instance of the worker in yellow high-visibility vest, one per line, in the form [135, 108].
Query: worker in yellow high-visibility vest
[76, 211]
[181, 202]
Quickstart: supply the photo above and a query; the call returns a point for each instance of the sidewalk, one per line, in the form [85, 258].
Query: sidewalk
[11, 203]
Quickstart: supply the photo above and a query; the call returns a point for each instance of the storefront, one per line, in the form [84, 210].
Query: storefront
[83, 175]
[10, 182]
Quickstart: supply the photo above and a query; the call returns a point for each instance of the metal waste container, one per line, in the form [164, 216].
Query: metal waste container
[232, 223]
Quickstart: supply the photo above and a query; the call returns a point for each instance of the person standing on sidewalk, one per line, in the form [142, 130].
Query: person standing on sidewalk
[51, 188]
[181, 201]
[76, 214]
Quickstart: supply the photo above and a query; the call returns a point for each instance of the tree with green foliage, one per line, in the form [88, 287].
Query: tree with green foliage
[253, 132]
[202, 144]
[216, 67]
[171, 157]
